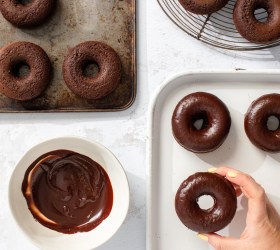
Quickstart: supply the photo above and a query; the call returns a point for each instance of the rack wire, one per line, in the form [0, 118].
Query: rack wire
[216, 29]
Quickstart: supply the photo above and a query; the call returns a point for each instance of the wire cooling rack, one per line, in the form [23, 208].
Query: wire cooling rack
[216, 29]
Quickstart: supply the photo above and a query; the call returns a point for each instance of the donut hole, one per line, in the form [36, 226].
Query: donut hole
[21, 69]
[90, 69]
[261, 15]
[205, 202]
[272, 123]
[200, 121]
[24, 2]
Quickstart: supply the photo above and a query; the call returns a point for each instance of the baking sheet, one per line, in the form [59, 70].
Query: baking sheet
[170, 164]
[73, 22]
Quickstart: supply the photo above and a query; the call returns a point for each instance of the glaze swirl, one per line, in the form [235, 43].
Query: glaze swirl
[67, 192]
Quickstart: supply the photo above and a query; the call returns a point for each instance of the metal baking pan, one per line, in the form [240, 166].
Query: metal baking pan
[73, 22]
[169, 163]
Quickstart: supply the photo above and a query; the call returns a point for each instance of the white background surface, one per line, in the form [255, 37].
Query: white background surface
[163, 49]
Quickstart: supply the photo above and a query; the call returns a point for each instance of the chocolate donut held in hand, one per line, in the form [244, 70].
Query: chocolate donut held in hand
[203, 7]
[206, 220]
[256, 120]
[26, 13]
[262, 229]
[215, 117]
[97, 86]
[67, 192]
[36, 76]
[252, 29]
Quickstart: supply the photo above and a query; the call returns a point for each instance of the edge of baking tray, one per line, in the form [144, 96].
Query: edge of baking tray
[151, 112]
[89, 110]
[134, 55]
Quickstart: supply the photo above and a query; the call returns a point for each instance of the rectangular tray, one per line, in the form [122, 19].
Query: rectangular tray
[73, 22]
[169, 164]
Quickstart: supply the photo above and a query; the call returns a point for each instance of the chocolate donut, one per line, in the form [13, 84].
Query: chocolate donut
[256, 119]
[215, 127]
[206, 220]
[252, 29]
[27, 87]
[203, 7]
[67, 192]
[26, 13]
[104, 82]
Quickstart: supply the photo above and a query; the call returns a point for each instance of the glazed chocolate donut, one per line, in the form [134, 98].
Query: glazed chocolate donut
[26, 13]
[216, 122]
[252, 29]
[29, 86]
[100, 85]
[206, 220]
[203, 7]
[256, 119]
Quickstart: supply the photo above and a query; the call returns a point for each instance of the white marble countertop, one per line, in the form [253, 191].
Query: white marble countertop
[163, 49]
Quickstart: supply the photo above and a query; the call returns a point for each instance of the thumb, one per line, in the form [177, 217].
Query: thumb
[220, 242]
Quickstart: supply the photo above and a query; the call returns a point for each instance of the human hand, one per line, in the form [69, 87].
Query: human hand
[262, 231]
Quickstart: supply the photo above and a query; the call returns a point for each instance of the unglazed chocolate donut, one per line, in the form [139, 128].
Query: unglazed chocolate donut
[100, 85]
[26, 13]
[203, 7]
[255, 123]
[214, 218]
[67, 192]
[30, 86]
[216, 122]
[252, 29]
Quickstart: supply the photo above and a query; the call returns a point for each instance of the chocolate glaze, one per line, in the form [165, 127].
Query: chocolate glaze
[26, 15]
[203, 7]
[252, 29]
[67, 192]
[216, 122]
[255, 123]
[214, 218]
[108, 77]
[35, 82]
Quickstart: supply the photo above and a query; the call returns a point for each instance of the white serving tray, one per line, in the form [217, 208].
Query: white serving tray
[169, 164]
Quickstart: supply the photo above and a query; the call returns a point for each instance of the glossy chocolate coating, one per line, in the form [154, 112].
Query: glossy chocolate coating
[26, 15]
[106, 80]
[214, 218]
[255, 123]
[203, 7]
[67, 192]
[216, 122]
[252, 29]
[35, 82]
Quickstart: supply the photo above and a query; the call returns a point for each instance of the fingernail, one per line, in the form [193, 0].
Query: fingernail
[202, 237]
[231, 174]
[212, 170]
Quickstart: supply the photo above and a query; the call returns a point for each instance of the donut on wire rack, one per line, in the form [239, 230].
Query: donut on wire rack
[254, 30]
[203, 7]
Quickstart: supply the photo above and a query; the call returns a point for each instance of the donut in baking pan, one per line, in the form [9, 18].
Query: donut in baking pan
[109, 70]
[26, 13]
[30, 85]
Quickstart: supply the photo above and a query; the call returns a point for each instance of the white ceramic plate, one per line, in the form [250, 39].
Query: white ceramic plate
[49, 239]
[170, 164]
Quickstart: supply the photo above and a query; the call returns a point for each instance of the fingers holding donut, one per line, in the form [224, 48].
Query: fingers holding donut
[250, 188]
[220, 242]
